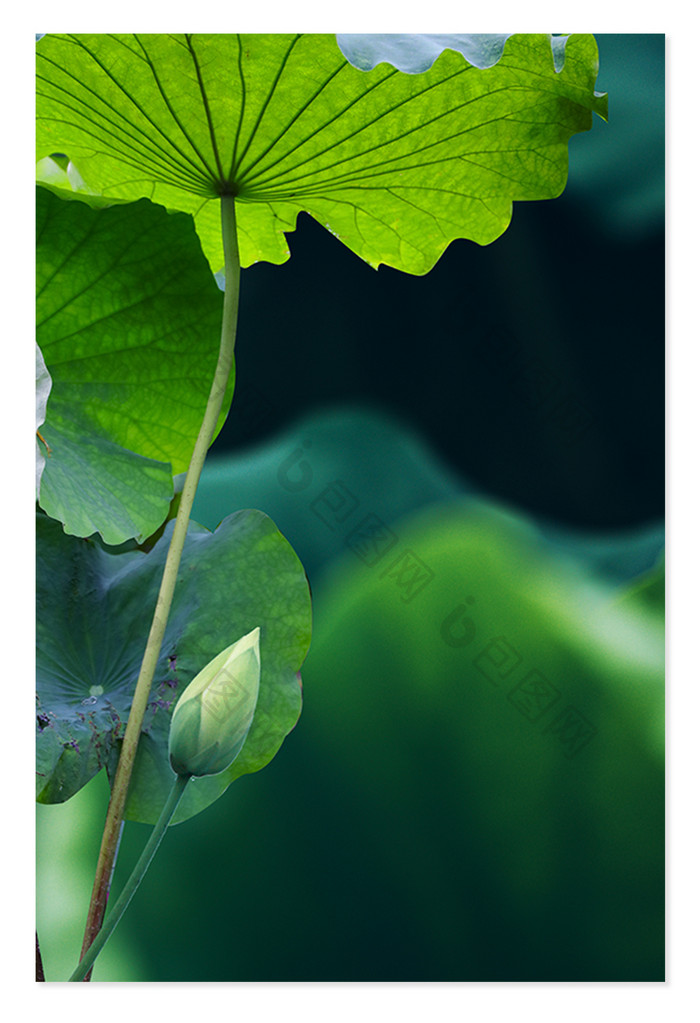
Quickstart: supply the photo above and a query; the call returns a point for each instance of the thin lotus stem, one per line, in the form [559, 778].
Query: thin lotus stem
[120, 788]
[137, 876]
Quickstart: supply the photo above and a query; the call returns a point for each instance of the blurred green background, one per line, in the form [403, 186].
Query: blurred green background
[471, 467]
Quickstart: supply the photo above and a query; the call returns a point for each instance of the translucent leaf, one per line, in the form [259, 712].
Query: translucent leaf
[395, 165]
[128, 319]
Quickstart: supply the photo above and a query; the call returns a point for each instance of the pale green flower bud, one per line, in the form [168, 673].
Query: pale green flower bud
[212, 717]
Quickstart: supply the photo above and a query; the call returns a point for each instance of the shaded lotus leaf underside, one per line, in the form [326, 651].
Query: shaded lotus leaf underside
[94, 611]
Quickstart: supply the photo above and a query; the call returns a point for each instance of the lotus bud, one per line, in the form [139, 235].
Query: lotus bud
[212, 717]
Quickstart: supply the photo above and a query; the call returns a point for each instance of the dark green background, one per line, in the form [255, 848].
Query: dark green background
[413, 826]
[565, 309]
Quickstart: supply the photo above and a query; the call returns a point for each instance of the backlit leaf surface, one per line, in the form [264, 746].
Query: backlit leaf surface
[396, 165]
[128, 322]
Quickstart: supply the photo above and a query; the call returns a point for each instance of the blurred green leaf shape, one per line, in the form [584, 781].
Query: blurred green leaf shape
[395, 165]
[647, 590]
[128, 321]
[91, 631]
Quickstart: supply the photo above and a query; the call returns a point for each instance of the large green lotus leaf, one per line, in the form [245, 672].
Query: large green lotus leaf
[128, 321]
[396, 165]
[94, 611]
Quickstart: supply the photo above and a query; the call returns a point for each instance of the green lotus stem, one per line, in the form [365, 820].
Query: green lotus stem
[120, 788]
[137, 876]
